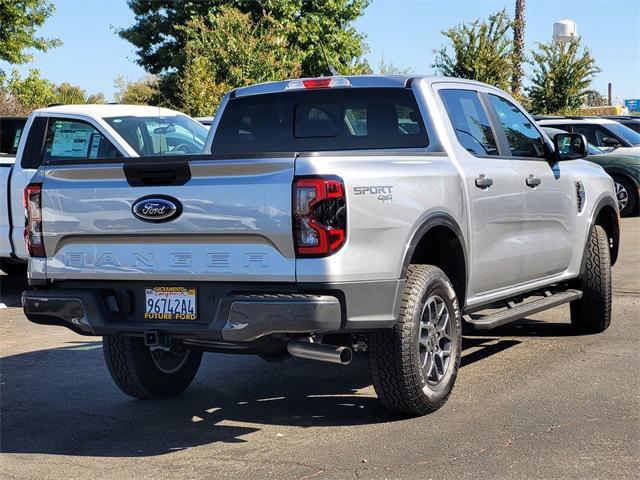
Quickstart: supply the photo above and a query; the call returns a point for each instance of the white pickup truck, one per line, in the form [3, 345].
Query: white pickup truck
[79, 131]
[10, 132]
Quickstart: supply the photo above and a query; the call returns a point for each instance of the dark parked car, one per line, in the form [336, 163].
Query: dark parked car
[624, 168]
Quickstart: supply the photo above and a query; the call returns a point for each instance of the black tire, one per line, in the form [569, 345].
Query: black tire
[13, 268]
[625, 187]
[396, 355]
[592, 313]
[137, 374]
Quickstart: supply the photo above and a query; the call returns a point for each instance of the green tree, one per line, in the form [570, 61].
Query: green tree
[309, 24]
[593, 98]
[480, 50]
[387, 67]
[518, 48]
[561, 76]
[68, 94]
[32, 91]
[22, 95]
[228, 50]
[141, 92]
[19, 20]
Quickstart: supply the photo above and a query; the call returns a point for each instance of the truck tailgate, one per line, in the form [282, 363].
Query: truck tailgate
[235, 223]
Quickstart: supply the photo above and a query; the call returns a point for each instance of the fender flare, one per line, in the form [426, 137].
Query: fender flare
[601, 204]
[427, 223]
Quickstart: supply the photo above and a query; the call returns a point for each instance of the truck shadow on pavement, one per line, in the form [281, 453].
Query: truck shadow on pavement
[11, 290]
[62, 402]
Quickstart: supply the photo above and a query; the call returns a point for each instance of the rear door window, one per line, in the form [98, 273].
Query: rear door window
[470, 121]
[76, 139]
[320, 120]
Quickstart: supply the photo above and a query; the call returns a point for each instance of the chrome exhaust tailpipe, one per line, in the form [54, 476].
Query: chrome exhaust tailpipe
[320, 352]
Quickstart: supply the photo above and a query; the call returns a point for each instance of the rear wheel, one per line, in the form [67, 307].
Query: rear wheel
[13, 268]
[414, 365]
[142, 373]
[627, 195]
[592, 313]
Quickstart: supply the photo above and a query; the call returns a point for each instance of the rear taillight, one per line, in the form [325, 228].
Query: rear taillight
[33, 231]
[320, 216]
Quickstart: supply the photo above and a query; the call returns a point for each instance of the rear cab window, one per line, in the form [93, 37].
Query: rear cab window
[161, 135]
[321, 120]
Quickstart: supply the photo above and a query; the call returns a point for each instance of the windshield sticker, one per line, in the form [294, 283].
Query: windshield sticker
[70, 143]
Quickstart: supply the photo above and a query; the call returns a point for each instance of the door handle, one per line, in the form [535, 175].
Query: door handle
[483, 181]
[532, 181]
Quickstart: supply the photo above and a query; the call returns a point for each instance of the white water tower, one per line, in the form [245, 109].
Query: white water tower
[564, 31]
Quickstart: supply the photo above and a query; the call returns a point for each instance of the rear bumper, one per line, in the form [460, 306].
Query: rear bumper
[229, 313]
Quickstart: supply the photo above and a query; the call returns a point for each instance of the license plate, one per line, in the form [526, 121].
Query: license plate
[171, 303]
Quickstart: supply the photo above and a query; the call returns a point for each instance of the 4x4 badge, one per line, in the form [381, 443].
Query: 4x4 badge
[156, 208]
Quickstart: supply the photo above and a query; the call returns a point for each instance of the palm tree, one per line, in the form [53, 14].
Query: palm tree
[518, 48]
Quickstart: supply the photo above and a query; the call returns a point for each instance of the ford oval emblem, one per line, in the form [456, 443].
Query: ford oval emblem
[156, 208]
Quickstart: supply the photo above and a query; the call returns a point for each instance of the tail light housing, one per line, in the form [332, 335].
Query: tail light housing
[320, 216]
[33, 230]
[319, 82]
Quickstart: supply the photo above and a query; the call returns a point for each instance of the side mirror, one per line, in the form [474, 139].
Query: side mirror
[610, 142]
[569, 146]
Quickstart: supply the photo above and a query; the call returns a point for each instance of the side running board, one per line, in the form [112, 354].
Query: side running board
[517, 311]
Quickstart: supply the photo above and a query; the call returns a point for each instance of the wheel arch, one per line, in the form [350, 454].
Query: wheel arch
[438, 241]
[606, 215]
[621, 172]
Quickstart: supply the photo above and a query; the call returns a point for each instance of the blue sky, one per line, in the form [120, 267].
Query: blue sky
[404, 31]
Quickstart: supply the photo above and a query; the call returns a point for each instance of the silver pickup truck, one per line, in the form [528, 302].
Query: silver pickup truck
[332, 215]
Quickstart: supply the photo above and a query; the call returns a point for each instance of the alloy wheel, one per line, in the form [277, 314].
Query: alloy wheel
[622, 195]
[435, 339]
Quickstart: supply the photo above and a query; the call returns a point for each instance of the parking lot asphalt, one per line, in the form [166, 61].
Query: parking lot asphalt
[532, 400]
